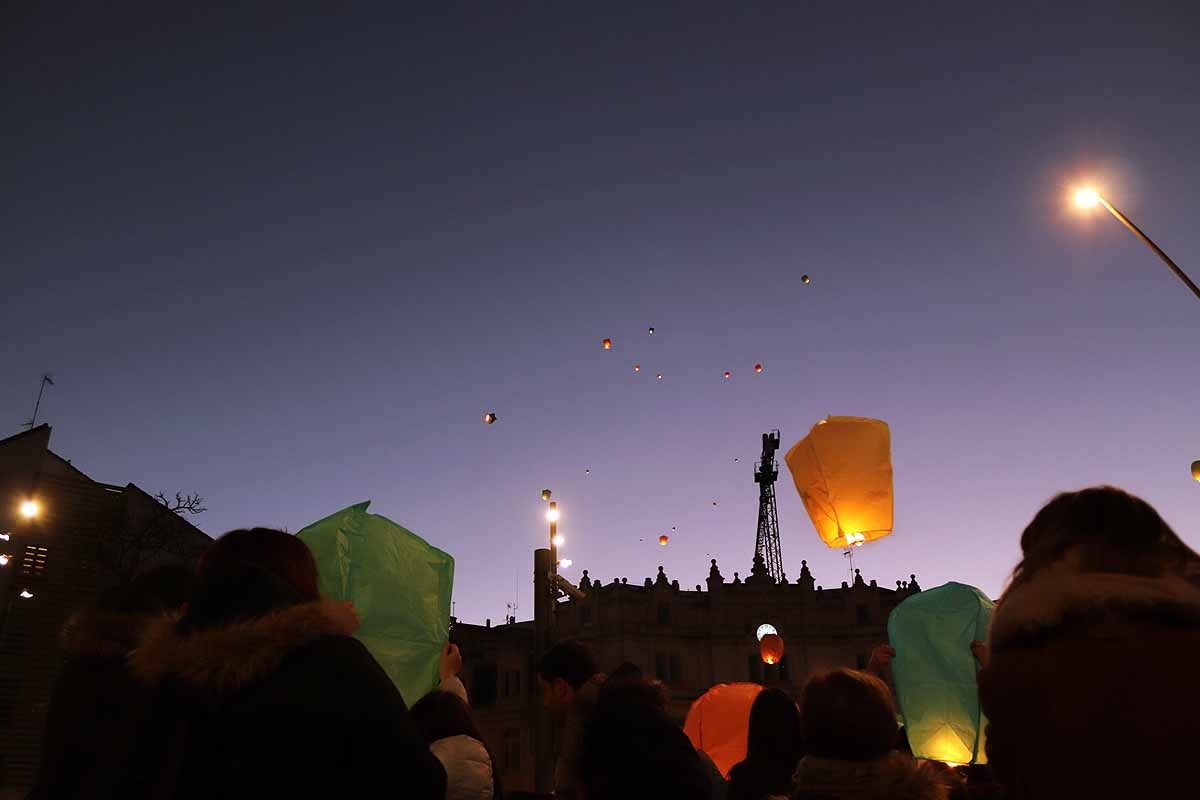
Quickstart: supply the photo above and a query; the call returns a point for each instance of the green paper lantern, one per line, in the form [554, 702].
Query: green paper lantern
[934, 671]
[400, 586]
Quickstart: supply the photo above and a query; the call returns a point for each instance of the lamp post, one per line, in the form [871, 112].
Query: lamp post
[1090, 198]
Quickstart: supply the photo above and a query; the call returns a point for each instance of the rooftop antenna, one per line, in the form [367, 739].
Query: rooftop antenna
[766, 543]
[47, 378]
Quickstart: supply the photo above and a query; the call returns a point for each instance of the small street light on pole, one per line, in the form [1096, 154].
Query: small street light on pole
[1090, 198]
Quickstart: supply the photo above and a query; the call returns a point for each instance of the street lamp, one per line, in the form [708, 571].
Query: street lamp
[1088, 197]
[30, 509]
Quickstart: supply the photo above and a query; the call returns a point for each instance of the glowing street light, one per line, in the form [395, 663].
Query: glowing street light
[4, 559]
[566, 562]
[30, 509]
[558, 540]
[1087, 198]
[552, 514]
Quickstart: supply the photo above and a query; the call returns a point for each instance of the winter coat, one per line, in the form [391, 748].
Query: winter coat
[566, 766]
[95, 711]
[468, 767]
[754, 780]
[896, 776]
[1090, 689]
[720, 787]
[282, 705]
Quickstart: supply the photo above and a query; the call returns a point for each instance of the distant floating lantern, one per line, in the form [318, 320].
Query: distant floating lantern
[651, 330]
[637, 367]
[659, 376]
[607, 344]
[770, 646]
[489, 417]
[843, 472]
[728, 374]
[714, 503]
[1196, 470]
[758, 367]
[662, 540]
[587, 472]
[805, 279]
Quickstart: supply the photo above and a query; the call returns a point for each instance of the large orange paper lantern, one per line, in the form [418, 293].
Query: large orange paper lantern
[843, 472]
[719, 721]
[770, 646]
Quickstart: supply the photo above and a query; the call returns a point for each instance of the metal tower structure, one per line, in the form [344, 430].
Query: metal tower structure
[766, 544]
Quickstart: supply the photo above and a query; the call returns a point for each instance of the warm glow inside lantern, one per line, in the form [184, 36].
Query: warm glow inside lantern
[718, 722]
[934, 671]
[607, 344]
[770, 646]
[843, 472]
[662, 540]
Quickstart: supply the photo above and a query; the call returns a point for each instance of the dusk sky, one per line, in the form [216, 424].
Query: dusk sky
[288, 260]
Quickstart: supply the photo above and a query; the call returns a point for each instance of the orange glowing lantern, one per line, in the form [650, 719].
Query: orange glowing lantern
[843, 473]
[718, 721]
[607, 344]
[805, 279]
[489, 417]
[637, 367]
[728, 374]
[659, 376]
[662, 540]
[771, 648]
[758, 367]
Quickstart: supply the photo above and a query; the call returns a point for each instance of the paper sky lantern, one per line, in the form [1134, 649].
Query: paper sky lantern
[489, 417]
[400, 586]
[805, 279]
[843, 472]
[637, 367]
[659, 376]
[719, 721]
[728, 374]
[1196, 470]
[662, 540]
[607, 344]
[934, 671]
[770, 647]
[758, 367]
[651, 330]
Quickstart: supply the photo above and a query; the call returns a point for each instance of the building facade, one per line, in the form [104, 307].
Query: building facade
[688, 639]
[63, 538]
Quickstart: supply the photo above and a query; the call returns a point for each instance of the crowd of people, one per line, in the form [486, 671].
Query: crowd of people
[241, 680]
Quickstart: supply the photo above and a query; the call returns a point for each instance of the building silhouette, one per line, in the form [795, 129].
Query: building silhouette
[84, 537]
[690, 639]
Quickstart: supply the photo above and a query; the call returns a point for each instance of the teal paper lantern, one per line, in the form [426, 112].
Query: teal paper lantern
[934, 671]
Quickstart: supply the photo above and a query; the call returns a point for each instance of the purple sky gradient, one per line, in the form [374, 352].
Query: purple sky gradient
[289, 261]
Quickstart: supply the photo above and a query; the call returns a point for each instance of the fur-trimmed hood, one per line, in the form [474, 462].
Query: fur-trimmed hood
[92, 633]
[896, 776]
[1060, 597]
[226, 658]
